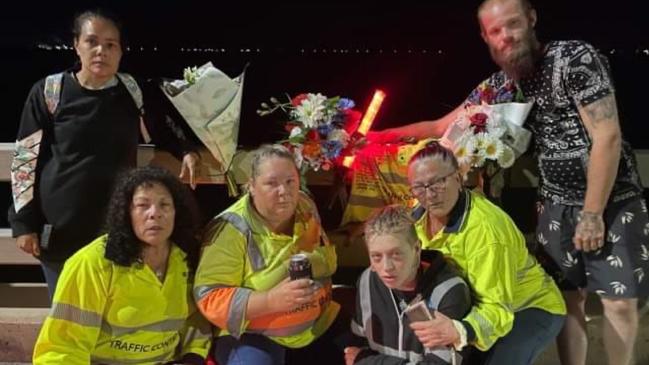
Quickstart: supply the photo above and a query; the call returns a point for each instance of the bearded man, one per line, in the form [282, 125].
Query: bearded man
[592, 221]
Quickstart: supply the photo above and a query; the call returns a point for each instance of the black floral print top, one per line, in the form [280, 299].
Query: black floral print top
[570, 74]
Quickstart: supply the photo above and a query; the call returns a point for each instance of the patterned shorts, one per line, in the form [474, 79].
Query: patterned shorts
[616, 270]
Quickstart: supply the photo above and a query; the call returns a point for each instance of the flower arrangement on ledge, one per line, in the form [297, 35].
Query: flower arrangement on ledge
[318, 128]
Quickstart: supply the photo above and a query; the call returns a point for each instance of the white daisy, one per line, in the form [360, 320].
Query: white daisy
[492, 147]
[464, 150]
[507, 157]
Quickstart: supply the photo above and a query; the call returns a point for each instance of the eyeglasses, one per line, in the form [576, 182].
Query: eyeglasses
[438, 185]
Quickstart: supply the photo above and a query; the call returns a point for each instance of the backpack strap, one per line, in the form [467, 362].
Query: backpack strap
[136, 93]
[52, 91]
[240, 224]
[133, 89]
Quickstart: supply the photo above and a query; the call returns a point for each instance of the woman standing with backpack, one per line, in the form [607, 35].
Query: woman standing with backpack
[78, 129]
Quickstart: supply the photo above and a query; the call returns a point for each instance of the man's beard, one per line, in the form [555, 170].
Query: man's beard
[520, 62]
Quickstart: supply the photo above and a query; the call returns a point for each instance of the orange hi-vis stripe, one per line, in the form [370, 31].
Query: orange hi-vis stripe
[279, 324]
[215, 306]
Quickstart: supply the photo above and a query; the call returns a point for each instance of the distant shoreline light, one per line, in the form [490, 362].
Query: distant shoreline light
[305, 50]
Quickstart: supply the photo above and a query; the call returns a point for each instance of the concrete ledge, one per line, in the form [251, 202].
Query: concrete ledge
[10, 254]
[19, 329]
[24, 295]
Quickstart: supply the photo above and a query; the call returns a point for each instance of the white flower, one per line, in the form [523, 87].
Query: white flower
[507, 157]
[339, 135]
[646, 229]
[492, 147]
[495, 125]
[311, 111]
[296, 131]
[464, 150]
[477, 160]
[190, 74]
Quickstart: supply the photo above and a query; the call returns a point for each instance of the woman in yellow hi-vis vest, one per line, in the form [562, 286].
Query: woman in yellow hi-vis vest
[242, 283]
[518, 309]
[126, 297]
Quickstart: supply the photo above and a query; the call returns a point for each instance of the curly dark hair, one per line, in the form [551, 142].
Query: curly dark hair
[122, 246]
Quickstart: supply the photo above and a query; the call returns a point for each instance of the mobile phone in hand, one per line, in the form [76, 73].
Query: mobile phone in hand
[417, 311]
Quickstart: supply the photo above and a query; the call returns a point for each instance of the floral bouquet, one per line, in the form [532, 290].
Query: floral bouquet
[210, 102]
[320, 128]
[490, 129]
[489, 135]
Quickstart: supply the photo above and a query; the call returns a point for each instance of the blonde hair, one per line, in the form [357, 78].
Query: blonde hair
[391, 220]
[267, 151]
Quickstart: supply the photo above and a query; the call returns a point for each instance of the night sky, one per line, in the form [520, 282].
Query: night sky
[427, 55]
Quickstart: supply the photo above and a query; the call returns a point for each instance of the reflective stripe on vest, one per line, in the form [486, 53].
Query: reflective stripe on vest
[71, 313]
[254, 254]
[441, 290]
[444, 353]
[87, 318]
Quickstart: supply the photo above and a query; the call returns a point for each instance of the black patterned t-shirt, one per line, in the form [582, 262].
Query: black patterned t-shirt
[571, 73]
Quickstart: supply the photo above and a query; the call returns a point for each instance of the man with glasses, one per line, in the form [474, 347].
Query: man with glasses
[518, 309]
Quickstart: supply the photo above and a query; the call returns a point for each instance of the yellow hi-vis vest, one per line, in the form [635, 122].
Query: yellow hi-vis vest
[103, 313]
[490, 251]
[242, 255]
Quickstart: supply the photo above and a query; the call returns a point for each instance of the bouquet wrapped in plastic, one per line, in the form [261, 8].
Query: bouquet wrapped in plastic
[210, 102]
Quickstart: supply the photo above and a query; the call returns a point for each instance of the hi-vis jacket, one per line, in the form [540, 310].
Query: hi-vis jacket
[242, 255]
[490, 251]
[103, 313]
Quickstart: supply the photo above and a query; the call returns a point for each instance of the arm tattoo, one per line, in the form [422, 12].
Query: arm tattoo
[603, 110]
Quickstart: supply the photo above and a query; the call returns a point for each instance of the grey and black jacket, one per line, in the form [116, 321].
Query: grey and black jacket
[380, 321]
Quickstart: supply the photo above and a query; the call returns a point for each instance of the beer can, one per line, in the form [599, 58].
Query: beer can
[299, 267]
